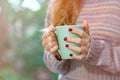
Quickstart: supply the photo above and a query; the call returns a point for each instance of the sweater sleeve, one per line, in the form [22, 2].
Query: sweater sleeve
[105, 53]
[54, 65]
[51, 62]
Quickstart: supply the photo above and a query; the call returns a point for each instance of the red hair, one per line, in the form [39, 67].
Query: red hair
[66, 12]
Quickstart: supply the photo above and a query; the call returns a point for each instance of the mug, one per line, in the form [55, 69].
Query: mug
[61, 32]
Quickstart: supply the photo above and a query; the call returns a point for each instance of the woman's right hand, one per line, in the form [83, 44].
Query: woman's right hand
[50, 43]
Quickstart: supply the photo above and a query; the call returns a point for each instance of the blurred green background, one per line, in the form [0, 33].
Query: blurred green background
[21, 52]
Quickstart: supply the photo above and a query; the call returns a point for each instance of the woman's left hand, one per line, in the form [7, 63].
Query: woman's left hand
[83, 41]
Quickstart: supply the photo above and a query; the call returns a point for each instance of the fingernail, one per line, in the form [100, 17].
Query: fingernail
[71, 54]
[65, 38]
[67, 45]
[70, 29]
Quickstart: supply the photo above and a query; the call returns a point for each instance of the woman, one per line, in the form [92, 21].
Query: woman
[99, 57]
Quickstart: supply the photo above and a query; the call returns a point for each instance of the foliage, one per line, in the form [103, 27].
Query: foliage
[27, 47]
[8, 74]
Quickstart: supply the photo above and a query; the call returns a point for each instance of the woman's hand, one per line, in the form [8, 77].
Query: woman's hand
[49, 41]
[83, 41]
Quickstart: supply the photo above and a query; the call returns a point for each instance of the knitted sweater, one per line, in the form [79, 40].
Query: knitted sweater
[103, 59]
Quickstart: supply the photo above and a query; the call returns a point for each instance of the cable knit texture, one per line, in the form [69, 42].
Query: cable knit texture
[103, 59]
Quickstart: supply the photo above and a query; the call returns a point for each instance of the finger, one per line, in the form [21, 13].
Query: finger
[51, 45]
[45, 35]
[50, 38]
[52, 33]
[55, 48]
[49, 33]
[76, 49]
[79, 32]
[81, 49]
[46, 41]
[79, 41]
[78, 57]
[72, 40]
[86, 27]
[52, 28]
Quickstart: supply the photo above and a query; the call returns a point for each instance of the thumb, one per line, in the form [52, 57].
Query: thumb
[52, 28]
[86, 27]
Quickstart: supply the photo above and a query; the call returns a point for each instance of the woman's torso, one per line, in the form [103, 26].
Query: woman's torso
[103, 17]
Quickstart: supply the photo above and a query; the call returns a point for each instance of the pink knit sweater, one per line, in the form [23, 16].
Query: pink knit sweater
[103, 59]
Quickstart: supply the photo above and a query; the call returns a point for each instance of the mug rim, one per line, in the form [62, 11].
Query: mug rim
[67, 25]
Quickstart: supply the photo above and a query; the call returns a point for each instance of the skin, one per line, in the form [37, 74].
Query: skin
[49, 41]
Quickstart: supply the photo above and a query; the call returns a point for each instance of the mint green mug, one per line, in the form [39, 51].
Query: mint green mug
[61, 32]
